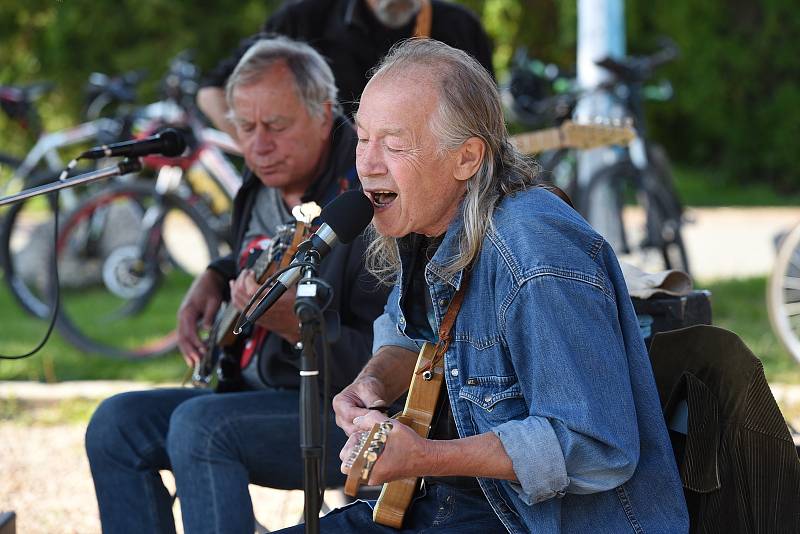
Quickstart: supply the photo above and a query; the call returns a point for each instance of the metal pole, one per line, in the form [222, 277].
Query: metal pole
[601, 33]
[124, 167]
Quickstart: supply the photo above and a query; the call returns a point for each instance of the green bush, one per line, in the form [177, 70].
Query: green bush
[737, 82]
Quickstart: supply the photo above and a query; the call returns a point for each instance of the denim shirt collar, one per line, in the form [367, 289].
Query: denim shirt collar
[447, 252]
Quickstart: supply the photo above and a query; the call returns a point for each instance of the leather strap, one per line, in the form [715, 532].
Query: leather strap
[424, 20]
[447, 323]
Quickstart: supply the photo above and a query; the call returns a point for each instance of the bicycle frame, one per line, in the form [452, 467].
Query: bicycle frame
[47, 147]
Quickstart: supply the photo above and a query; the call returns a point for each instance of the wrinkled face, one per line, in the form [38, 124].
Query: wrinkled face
[282, 143]
[412, 183]
[394, 13]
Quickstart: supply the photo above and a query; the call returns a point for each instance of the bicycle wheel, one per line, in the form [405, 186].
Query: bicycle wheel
[126, 258]
[647, 212]
[783, 294]
[664, 210]
[26, 237]
[664, 226]
[26, 243]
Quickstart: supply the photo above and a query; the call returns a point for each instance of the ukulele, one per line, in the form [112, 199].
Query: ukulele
[423, 396]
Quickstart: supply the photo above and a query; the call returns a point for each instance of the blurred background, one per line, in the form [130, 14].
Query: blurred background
[721, 114]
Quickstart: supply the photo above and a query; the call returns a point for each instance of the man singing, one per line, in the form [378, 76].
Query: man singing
[549, 420]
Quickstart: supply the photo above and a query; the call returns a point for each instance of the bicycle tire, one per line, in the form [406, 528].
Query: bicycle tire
[123, 304]
[664, 220]
[783, 294]
[668, 210]
[25, 277]
[26, 238]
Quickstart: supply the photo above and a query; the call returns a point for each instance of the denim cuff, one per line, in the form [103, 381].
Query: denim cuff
[536, 458]
[386, 334]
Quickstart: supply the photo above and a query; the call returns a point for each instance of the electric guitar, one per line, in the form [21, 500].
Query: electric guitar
[423, 396]
[222, 342]
[575, 135]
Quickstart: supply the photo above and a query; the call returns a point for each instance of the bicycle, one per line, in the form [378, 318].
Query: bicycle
[210, 177]
[42, 164]
[136, 247]
[642, 173]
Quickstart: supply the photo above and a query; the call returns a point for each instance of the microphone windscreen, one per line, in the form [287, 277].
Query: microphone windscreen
[173, 142]
[348, 215]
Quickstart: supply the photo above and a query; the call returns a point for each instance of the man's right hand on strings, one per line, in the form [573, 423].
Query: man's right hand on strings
[199, 307]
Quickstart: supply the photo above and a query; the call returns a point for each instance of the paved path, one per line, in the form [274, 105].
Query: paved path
[732, 242]
[735, 242]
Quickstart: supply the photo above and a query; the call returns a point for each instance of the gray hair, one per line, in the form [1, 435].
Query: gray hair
[469, 106]
[312, 75]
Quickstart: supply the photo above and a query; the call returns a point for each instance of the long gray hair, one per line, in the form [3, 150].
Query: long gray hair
[312, 75]
[469, 106]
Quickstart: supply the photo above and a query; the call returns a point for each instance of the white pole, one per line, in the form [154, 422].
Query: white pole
[601, 33]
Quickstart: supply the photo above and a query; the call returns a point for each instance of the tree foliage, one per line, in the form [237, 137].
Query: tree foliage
[737, 81]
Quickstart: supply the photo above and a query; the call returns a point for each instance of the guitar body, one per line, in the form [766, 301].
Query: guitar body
[418, 413]
[223, 347]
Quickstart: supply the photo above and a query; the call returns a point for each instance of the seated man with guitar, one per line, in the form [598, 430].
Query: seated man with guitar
[547, 417]
[299, 150]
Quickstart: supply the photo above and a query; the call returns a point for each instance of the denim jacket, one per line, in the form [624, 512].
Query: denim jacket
[547, 355]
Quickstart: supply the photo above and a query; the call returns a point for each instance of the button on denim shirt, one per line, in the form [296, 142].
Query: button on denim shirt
[547, 355]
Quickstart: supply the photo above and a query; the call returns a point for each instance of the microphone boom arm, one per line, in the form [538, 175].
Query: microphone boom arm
[123, 167]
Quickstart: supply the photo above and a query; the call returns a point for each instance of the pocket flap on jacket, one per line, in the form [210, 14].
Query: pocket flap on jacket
[486, 391]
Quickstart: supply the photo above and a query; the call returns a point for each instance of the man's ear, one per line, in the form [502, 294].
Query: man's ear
[469, 157]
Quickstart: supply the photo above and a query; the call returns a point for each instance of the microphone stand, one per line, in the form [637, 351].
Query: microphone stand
[309, 312]
[123, 167]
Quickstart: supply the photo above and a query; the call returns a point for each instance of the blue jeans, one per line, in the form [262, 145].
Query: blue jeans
[215, 444]
[438, 508]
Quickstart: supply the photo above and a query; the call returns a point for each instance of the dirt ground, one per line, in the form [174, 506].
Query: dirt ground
[44, 474]
[45, 479]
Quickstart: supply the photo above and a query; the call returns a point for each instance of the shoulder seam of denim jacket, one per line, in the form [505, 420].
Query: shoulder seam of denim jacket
[520, 277]
[552, 272]
[597, 245]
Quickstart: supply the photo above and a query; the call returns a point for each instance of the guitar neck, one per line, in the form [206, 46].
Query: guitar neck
[423, 396]
[263, 268]
[539, 141]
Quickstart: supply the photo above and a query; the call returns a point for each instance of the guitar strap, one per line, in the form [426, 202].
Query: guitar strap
[422, 28]
[443, 343]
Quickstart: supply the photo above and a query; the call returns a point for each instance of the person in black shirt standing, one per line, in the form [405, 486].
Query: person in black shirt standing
[352, 35]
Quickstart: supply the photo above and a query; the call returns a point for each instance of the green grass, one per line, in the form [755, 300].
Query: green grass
[66, 411]
[59, 360]
[704, 187]
[739, 306]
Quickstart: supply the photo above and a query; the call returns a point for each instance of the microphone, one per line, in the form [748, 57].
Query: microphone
[169, 142]
[343, 219]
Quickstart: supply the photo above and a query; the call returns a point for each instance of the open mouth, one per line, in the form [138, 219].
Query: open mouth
[381, 199]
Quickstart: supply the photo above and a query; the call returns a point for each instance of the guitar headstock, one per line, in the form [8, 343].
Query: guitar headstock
[600, 132]
[306, 212]
[366, 452]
